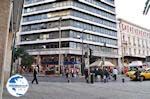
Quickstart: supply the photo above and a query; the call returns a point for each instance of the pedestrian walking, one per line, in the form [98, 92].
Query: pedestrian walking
[106, 75]
[137, 74]
[96, 74]
[67, 75]
[86, 75]
[72, 72]
[77, 71]
[35, 75]
[115, 73]
[38, 68]
[101, 73]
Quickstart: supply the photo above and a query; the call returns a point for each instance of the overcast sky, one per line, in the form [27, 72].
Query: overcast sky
[132, 10]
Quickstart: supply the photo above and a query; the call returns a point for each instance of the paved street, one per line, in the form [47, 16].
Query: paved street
[56, 78]
[82, 90]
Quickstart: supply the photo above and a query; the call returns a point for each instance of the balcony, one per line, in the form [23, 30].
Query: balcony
[69, 51]
[110, 1]
[33, 1]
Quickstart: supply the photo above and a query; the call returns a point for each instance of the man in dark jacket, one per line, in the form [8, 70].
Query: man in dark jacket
[86, 75]
[101, 73]
[137, 74]
[34, 76]
[106, 75]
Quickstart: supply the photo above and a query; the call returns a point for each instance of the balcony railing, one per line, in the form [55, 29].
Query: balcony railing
[110, 1]
[33, 1]
[69, 51]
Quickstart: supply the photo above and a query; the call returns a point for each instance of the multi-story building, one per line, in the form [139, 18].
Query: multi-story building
[88, 22]
[134, 41]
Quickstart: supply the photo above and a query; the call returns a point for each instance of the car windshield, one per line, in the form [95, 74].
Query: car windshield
[133, 69]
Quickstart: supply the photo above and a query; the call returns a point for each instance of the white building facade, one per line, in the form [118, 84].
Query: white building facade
[88, 22]
[134, 41]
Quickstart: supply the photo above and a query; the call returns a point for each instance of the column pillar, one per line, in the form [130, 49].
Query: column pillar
[5, 42]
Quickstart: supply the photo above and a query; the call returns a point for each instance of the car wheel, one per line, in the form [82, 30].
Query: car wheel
[142, 78]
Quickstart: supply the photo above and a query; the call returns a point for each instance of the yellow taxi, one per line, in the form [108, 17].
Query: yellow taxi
[129, 73]
[144, 75]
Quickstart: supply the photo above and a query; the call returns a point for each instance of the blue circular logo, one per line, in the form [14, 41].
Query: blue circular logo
[17, 85]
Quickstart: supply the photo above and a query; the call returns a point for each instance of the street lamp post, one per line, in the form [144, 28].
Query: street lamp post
[60, 19]
[82, 65]
[82, 57]
[38, 62]
[104, 52]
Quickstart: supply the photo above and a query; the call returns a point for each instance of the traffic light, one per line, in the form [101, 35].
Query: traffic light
[86, 55]
[91, 52]
[90, 55]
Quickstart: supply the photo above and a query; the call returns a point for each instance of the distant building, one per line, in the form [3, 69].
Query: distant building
[94, 21]
[134, 41]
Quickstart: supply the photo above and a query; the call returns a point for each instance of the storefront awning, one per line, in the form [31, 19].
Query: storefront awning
[136, 64]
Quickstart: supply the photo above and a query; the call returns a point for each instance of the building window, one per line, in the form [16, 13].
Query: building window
[65, 44]
[138, 41]
[123, 38]
[143, 52]
[134, 41]
[129, 51]
[135, 51]
[139, 51]
[129, 41]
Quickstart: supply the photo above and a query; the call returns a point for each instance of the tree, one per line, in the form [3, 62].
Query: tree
[147, 7]
[26, 59]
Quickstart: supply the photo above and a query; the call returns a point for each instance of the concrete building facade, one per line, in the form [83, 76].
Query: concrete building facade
[4, 41]
[134, 41]
[88, 22]
[10, 13]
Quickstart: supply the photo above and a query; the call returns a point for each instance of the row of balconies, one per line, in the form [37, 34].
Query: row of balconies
[70, 51]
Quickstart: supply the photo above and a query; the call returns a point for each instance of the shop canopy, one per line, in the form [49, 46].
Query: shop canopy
[100, 63]
[136, 64]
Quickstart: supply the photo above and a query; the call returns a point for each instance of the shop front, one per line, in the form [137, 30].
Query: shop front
[49, 64]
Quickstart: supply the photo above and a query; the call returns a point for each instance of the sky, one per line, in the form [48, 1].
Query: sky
[132, 11]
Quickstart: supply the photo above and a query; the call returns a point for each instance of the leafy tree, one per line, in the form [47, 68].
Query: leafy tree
[26, 59]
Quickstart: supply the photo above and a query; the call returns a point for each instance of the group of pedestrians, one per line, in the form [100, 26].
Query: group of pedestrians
[71, 73]
[104, 74]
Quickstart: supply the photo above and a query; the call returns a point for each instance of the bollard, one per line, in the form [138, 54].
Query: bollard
[87, 80]
[68, 81]
[123, 80]
[104, 78]
[92, 78]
